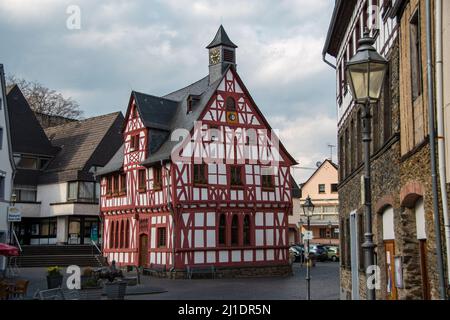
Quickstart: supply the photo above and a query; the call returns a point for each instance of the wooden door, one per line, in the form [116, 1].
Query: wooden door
[143, 250]
[389, 249]
[423, 270]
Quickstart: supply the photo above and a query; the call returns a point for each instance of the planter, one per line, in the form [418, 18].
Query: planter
[115, 290]
[54, 281]
[91, 293]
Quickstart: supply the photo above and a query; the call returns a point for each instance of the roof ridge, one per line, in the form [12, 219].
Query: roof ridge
[153, 96]
[84, 120]
[190, 85]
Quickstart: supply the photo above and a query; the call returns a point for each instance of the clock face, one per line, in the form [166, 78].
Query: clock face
[214, 56]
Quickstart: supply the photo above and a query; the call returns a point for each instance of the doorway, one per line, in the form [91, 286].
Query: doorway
[389, 249]
[389, 252]
[143, 250]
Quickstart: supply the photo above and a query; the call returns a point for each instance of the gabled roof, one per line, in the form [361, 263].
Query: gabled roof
[83, 144]
[155, 112]
[320, 168]
[221, 38]
[164, 123]
[27, 135]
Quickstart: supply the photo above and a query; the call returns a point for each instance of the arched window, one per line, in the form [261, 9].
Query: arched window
[127, 234]
[231, 104]
[247, 228]
[116, 235]
[122, 234]
[222, 230]
[235, 230]
[111, 235]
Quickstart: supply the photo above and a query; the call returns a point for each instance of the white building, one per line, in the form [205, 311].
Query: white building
[6, 163]
[55, 185]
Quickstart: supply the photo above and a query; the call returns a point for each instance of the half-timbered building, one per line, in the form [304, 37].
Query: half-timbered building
[201, 181]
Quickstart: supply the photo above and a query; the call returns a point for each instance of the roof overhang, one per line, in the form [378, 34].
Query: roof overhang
[340, 20]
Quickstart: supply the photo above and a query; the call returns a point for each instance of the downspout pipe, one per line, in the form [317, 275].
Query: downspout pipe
[431, 129]
[324, 58]
[440, 126]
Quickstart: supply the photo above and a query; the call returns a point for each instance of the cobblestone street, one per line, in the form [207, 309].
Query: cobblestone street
[324, 286]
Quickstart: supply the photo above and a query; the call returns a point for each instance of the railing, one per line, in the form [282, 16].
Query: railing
[96, 247]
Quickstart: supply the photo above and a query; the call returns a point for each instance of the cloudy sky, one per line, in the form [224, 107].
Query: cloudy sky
[159, 46]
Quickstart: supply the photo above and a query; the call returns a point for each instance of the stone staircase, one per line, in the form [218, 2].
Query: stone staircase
[62, 256]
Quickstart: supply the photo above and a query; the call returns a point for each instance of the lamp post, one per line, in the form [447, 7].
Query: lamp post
[11, 224]
[329, 228]
[366, 71]
[300, 230]
[308, 211]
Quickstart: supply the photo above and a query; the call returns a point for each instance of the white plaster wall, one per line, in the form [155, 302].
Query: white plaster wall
[51, 193]
[5, 163]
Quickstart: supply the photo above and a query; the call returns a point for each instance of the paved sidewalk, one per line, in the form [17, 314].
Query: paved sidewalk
[324, 286]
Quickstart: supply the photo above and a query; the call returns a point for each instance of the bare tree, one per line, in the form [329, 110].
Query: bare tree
[46, 101]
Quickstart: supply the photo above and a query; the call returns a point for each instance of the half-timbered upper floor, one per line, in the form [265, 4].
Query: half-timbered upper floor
[350, 19]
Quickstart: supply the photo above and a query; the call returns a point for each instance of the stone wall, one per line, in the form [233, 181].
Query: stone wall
[228, 272]
[385, 166]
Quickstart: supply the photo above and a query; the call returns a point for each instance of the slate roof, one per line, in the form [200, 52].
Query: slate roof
[27, 135]
[83, 144]
[221, 38]
[167, 114]
[296, 192]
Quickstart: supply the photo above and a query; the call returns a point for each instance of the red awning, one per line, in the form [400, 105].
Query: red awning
[7, 250]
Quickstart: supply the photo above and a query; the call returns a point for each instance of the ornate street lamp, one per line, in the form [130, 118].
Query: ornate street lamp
[366, 71]
[308, 211]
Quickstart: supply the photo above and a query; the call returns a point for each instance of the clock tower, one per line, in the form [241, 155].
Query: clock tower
[222, 53]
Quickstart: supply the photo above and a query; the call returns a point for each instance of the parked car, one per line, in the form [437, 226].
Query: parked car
[333, 253]
[298, 253]
[319, 252]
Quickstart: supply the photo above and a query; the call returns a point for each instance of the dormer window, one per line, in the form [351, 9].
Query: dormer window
[192, 100]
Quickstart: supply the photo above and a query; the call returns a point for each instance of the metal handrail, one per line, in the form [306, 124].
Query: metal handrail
[96, 247]
[17, 240]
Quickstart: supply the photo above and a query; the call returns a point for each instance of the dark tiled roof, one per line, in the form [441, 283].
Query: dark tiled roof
[296, 192]
[114, 164]
[340, 19]
[221, 38]
[156, 112]
[27, 136]
[164, 115]
[83, 144]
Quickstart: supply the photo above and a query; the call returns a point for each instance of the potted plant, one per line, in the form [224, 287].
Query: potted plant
[54, 277]
[115, 289]
[91, 289]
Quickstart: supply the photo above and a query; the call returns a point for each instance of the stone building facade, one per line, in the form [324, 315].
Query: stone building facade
[402, 203]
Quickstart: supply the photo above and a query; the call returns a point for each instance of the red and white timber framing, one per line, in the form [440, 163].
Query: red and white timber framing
[192, 213]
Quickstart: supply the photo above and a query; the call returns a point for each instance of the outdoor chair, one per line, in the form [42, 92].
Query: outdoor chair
[19, 290]
[4, 291]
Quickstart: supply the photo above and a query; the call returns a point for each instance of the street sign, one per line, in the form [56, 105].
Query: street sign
[308, 235]
[14, 215]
